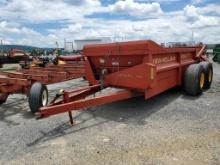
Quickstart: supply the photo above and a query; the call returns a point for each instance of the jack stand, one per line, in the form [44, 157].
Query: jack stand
[71, 117]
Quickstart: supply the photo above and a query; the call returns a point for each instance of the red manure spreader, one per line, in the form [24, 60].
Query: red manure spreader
[134, 68]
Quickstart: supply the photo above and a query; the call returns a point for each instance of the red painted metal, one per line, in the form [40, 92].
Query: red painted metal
[85, 102]
[137, 67]
[17, 52]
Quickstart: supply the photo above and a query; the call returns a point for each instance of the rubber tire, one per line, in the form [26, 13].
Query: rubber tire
[207, 66]
[35, 96]
[192, 80]
[3, 99]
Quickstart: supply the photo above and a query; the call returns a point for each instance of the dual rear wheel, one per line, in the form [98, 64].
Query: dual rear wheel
[197, 78]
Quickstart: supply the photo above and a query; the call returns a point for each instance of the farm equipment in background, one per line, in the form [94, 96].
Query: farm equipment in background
[15, 56]
[135, 68]
[68, 59]
[21, 81]
[216, 53]
[57, 60]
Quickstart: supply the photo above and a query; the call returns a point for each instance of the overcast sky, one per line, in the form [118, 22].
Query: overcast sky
[42, 22]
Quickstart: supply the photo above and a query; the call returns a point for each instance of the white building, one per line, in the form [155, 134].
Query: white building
[78, 44]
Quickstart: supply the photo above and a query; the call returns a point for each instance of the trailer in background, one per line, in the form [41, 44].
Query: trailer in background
[21, 81]
[15, 56]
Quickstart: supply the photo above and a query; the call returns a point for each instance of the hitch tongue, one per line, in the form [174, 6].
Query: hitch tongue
[58, 95]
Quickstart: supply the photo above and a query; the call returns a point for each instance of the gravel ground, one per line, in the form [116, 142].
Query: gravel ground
[170, 128]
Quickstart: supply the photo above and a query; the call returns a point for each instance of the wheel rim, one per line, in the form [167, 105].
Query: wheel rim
[44, 98]
[202, 80]
[210, 75]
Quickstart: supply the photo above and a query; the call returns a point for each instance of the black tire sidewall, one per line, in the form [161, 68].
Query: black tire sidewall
[199, 73]
[192, 79]
[35, 96]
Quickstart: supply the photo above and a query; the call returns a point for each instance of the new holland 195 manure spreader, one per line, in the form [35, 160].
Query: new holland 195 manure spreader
[136, 68]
